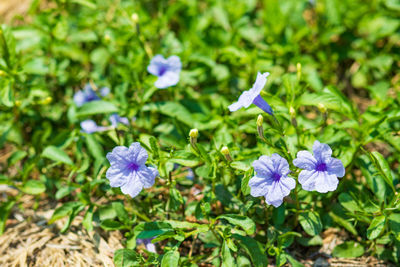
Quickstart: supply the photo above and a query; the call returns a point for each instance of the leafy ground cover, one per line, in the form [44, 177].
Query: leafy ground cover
[135, 119]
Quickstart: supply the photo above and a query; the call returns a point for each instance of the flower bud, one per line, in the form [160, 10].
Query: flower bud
[2, 73]
[226, 153]
[260, 129]
[107, 37]
[298, 67]
[193, 134]
[323, 110]
[135, 17]
[292, 113]
[18, 103]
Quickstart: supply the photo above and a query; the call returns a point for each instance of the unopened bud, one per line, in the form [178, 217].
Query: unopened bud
[292, 112]
[260, 129]
[193, 134]
[18, 103]
[135, 17]
[107, 37]
[2, 73]
[298, 67]
[260, 120]
[321, 107]
[226, 153]
[47, 100]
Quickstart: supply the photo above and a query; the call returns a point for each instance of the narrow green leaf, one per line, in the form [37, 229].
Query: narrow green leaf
[96, 107]
[56, 154]
[376, 227]
[33, 187]
[227, 258]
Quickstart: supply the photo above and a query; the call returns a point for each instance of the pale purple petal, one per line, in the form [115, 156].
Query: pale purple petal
[281, 165]
[174, 63]
[336, 167]
[133, 186]
[137, 154]
[321, 151]
[279, 190]
[104, 91]
[326, 182]
[119, 155]
[89, 126]
[263, 166]
[259, 185]
[305, 160]
[307, 179]
[168, 79]
[155, 62]
[118, 175]
[79, 98]
[147, 176]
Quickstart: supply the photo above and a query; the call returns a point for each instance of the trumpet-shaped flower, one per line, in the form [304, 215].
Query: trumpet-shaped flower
[90, 126]
[320, 171]
[167, 70]
[86, 95]
[253, 96]
[128, 170]
[271, 179]
[115, 119]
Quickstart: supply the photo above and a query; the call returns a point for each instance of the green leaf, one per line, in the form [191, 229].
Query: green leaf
[242, 221]
[63, 211]
[16, 156]
[172, 109]
[5, 209]
[6, 93]
[227, 258]
[96, 107]
[394, 224]
[33, 187]
[170, 259]
[8, 45]
[56, 154]
[383, 167]
[240, 165]
[110, 225]
[88, 219]
[122, 214]
[95, 149]
[151, 229]
[348, 202]
[185, 158]
[376, 227]
[126, 258]
[349, 249]
[254, 249]
[310, 222]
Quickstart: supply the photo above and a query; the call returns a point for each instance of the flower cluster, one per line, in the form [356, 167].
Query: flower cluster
[88, 94]
[320, 173]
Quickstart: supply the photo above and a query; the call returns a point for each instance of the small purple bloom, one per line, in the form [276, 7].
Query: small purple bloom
[253, 96]
[147, 243]
[167, 70]
[90, 126]
[128, 169]
[190, 174]
[86, 95]
[271, 179]
[115, 119]
[104, 91]
[320, 171]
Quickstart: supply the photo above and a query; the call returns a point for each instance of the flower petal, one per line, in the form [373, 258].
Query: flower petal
[169, 78]
[280, 164]
[137, 154]
[259, 186]
[307, 179]
[322, 152]
[260, 82]
[305, 160]
[335, 166]
[279, 190]
[118, 175]
[263, 166]
[326, 182]
[155, 63]
[174, 64]
[133, 186]
[118, 156]
[147, 175]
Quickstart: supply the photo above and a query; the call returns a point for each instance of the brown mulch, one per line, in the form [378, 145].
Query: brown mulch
[29, 241]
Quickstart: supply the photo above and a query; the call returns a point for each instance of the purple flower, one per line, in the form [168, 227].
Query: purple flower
[167, 70]
[86, 95]
[320, 171]
[253, 96]
[190, 174]
[147, 243]
[128, 169]
[104, 91]
[271, 179]
[89, 126]
[115, 119]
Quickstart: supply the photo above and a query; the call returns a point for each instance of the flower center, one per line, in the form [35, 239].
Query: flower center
[276, 176]
[162, 70]
[133, 166]
[321, 167]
